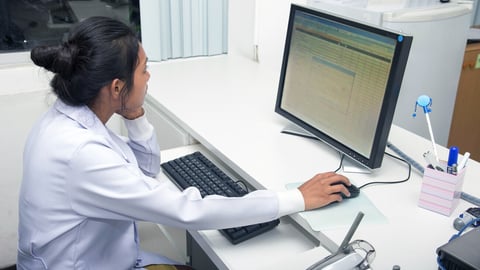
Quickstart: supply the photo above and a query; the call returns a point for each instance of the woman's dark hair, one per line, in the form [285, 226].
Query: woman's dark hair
[97, 51]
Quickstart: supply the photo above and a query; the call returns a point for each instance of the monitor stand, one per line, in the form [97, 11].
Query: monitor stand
[348, 165]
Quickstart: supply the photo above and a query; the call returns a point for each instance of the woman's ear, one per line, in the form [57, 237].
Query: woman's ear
[116, 87]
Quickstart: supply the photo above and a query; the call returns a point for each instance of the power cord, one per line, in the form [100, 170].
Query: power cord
[392, 182]
[406, 157]
[383, 182]
[342, 156]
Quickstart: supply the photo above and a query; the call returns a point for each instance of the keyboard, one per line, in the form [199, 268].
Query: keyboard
[197, 170]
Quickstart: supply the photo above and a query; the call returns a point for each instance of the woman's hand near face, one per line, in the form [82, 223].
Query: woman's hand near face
[131, 114]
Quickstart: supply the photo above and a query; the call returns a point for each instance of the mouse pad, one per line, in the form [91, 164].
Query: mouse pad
[342, 214]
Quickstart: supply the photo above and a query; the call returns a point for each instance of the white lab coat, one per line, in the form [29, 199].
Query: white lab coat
[83, 188]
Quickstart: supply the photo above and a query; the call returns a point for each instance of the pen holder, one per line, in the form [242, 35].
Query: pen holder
[441, 190]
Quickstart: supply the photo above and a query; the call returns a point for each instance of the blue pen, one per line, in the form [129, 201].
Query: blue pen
[452, 159]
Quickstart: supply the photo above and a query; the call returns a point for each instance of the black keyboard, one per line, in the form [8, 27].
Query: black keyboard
[197, 170]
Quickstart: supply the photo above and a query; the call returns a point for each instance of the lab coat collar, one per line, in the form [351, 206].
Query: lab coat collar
[89, 120]
[82, 115]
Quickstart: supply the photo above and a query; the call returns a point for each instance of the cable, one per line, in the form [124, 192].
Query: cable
[410, 160]
[392, 182]
[342, 156]
[407, 159]
[382, 182]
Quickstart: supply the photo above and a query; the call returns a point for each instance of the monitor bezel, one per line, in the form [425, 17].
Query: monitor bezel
[384, 123]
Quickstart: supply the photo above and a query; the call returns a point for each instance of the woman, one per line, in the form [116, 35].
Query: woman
[84, 187]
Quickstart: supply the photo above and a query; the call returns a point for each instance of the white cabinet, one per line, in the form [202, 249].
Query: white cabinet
[169, 134]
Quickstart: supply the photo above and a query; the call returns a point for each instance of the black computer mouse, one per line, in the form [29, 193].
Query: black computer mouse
[354, 190]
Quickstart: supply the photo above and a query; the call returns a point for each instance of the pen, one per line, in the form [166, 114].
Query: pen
[464, 160]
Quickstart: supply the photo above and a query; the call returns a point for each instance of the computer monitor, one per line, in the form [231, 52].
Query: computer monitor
[340, 80]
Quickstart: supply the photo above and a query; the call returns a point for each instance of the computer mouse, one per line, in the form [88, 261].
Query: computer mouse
[354, 190]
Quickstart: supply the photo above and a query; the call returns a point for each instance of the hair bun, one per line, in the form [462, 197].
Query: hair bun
[58, 59]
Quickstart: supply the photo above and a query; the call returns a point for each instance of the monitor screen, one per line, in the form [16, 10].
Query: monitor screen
[340, 81]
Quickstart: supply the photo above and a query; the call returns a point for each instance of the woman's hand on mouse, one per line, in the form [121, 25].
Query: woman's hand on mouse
[323, 189]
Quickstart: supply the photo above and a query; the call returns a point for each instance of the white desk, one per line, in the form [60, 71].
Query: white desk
[227, 104]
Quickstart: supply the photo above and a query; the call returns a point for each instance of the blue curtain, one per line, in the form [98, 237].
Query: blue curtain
[184, 28]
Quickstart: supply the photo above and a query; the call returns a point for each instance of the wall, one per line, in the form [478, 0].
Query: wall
[241, 24]
[257, 29]
[23, 98]
[270, 30]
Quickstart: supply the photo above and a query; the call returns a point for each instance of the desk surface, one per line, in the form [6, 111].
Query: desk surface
[227, 104]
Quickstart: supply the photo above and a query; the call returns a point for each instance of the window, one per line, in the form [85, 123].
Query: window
[184, 28]
[25, 24]
[174, 28]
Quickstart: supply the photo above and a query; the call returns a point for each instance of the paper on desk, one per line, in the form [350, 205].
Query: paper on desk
[341, 214]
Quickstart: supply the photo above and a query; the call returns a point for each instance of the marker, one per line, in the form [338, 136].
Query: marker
[452, 156]
[452, 164]
[464, 160]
